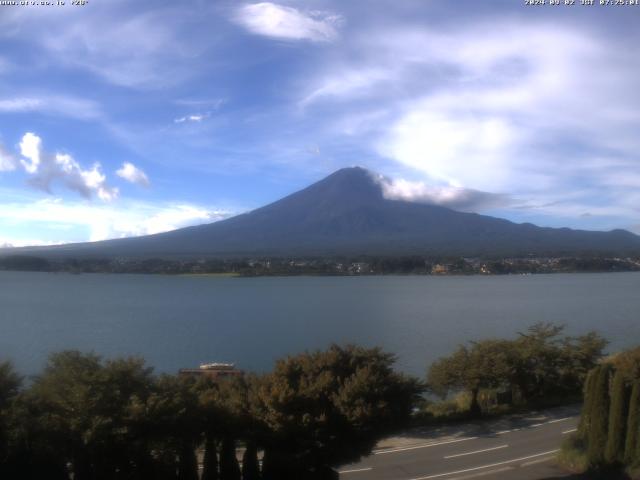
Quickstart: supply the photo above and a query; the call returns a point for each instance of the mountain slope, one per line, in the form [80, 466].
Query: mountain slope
[346, 213]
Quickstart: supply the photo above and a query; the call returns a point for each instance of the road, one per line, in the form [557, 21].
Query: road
[517, 447]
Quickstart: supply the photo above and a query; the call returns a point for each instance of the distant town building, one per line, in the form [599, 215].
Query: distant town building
[213, 371]
[360, 267]
[439, 269]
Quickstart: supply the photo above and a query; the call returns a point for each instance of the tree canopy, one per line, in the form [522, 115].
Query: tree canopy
[537, 364]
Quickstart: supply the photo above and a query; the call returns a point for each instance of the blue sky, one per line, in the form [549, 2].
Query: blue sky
[123, 118]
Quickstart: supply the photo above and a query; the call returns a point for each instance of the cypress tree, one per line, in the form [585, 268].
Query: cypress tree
[585, 417]
[250, 467]
[229, 468]
[210, 463]
[633, 426]
[188, 463]
[598, 418]
[617, 420]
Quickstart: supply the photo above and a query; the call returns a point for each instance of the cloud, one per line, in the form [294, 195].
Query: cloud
[121, 45]
[457, 198]
[288, 23]
[133, 174]
[45, 168]
[8, 161]
[213, 104]
[57, 105]
[350, 83]
[81, 221]
[195, 117]
[491, 114]
[455, 149]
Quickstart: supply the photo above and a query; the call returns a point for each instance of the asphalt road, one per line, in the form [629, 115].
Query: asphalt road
[519, 447]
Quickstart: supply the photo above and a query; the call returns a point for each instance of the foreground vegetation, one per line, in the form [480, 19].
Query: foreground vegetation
[114, 419]
[540, 367]
[85, 417]
[607, 444]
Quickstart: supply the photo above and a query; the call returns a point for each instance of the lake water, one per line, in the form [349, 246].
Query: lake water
[182, 321]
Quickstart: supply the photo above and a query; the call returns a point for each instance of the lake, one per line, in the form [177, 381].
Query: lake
[182, 321]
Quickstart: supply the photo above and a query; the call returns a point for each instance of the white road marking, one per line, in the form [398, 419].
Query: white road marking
[559, 420]
[427, 445]
[438, 475]
[535, 425]
[355, 470]
[535, 462]
[570, 431]
[477, 451]
[502, 432]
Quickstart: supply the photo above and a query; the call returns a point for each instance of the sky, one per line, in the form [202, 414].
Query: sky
[121, 118]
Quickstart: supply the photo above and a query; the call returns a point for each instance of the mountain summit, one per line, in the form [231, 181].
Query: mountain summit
[347, 214]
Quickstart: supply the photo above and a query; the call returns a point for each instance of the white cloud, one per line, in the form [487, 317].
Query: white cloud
[350, 83]
[288, 23]
[7, 160]
[57, 105]
[119, 44]
[453, 149]
[212, 103]
[457, 198]
[133, 174]
[45, 168]
[474, 108]
[195, 117]
[94, 222]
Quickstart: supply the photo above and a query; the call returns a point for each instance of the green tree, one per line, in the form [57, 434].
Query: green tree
[10, 383]
[628, 362]
[614, 451]
[230, 411]
[539, 360]
[329, 408]
[81, 402]
[599, 417]
[579, 356]
[484, 364]
[172, 418]
[633, 426]
[587, 407]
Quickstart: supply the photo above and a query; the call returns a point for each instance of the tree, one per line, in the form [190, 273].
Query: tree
[81, 404]
[580, 355]
[539, 360]
[599, 417]
[628, 362]
[633, 426]
[587, 409]
[10, 383]
[614, 451]
[210, 461]
[229, 408]
[172, 418]
[250, 466]
[229, 468]
[328, 408]
[485, 364]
